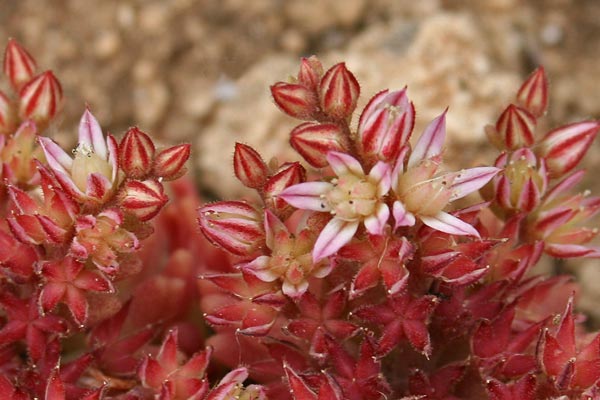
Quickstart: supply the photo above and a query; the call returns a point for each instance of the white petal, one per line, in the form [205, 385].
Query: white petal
[381, 173]
[91, 135]
[334, 236]
[273, 225]
[402, 217]
[470, 180]
[375, 223]
[57, 159]
[445, 222]
[343, 163]
[431, 141]
[307, 195]
[259, 267]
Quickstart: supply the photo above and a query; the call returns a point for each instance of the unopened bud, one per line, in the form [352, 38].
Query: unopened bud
[144, 199]
[7, 115]
[169, 164]
[514, 129]
[564, 147]
[295, 100]
[249, 166]
[233, 225]
[19, 66]
[288, 175]
[533, 94]
[386, 124]
[313, 140]
[338, 92]
[136, 153]
[41, 99]
[310, 73]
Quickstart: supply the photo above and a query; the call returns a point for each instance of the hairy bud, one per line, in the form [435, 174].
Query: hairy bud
[338, 92]
[136, 153]
[169, 164]
[249, 166]
[41, 99]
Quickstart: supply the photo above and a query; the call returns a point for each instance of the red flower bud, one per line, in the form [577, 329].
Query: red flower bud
[533, 94]
[295, 100]
[7, 117]
[169, 164]
[249, 167]
[565, 146]
[144, 199]
[310, 73]
[386, 124]
[288, 175]
[338, 92]
[41, 99]
[313, 141]
[136, 153]
[19, 66]
[514, 128]
[233, 225]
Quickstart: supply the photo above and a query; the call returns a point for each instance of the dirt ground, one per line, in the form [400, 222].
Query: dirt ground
[199, 71]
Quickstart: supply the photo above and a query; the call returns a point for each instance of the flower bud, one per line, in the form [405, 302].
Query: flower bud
[523, 181]
[233, 225]
[310, 73]
[533, 94]
[386, 125]
[144, 199]
[514, 129]
[295, 100]
[19, 66]
[288, 175]
[313, 141]
[7, 117]
[338, 92]
[136, 153]
[169, 164]
[249, 167]
[564, 147]
[41, 99]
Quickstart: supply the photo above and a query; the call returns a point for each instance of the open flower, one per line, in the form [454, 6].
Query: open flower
[290, 259]
[422, 192]
[351, 198]
[91, 175]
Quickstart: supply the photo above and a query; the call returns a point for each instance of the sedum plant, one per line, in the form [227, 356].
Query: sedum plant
[371, 271]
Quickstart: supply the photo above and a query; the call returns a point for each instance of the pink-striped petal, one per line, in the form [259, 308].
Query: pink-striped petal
[55, 155]
[470, 180]
[381, 173]
[333, 237]
[307, 195]
[113, 156]
[273, 225]
[259, 267]
[97, 186]
[445, 222]
[294, 291]
[90, 134]
[402, 217]
[564, 186]
[431, 141]
[343, 163]
[375, 223]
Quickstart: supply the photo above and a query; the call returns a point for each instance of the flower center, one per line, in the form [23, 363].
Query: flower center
[518, 173]
[421, 193]
[291, 258]
[87, 162]
[352, 197]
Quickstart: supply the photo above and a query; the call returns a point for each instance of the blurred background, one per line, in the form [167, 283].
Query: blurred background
[200, 70]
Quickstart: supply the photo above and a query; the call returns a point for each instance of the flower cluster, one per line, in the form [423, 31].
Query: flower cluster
[78, 259]
[351, 276]
[363, 282]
